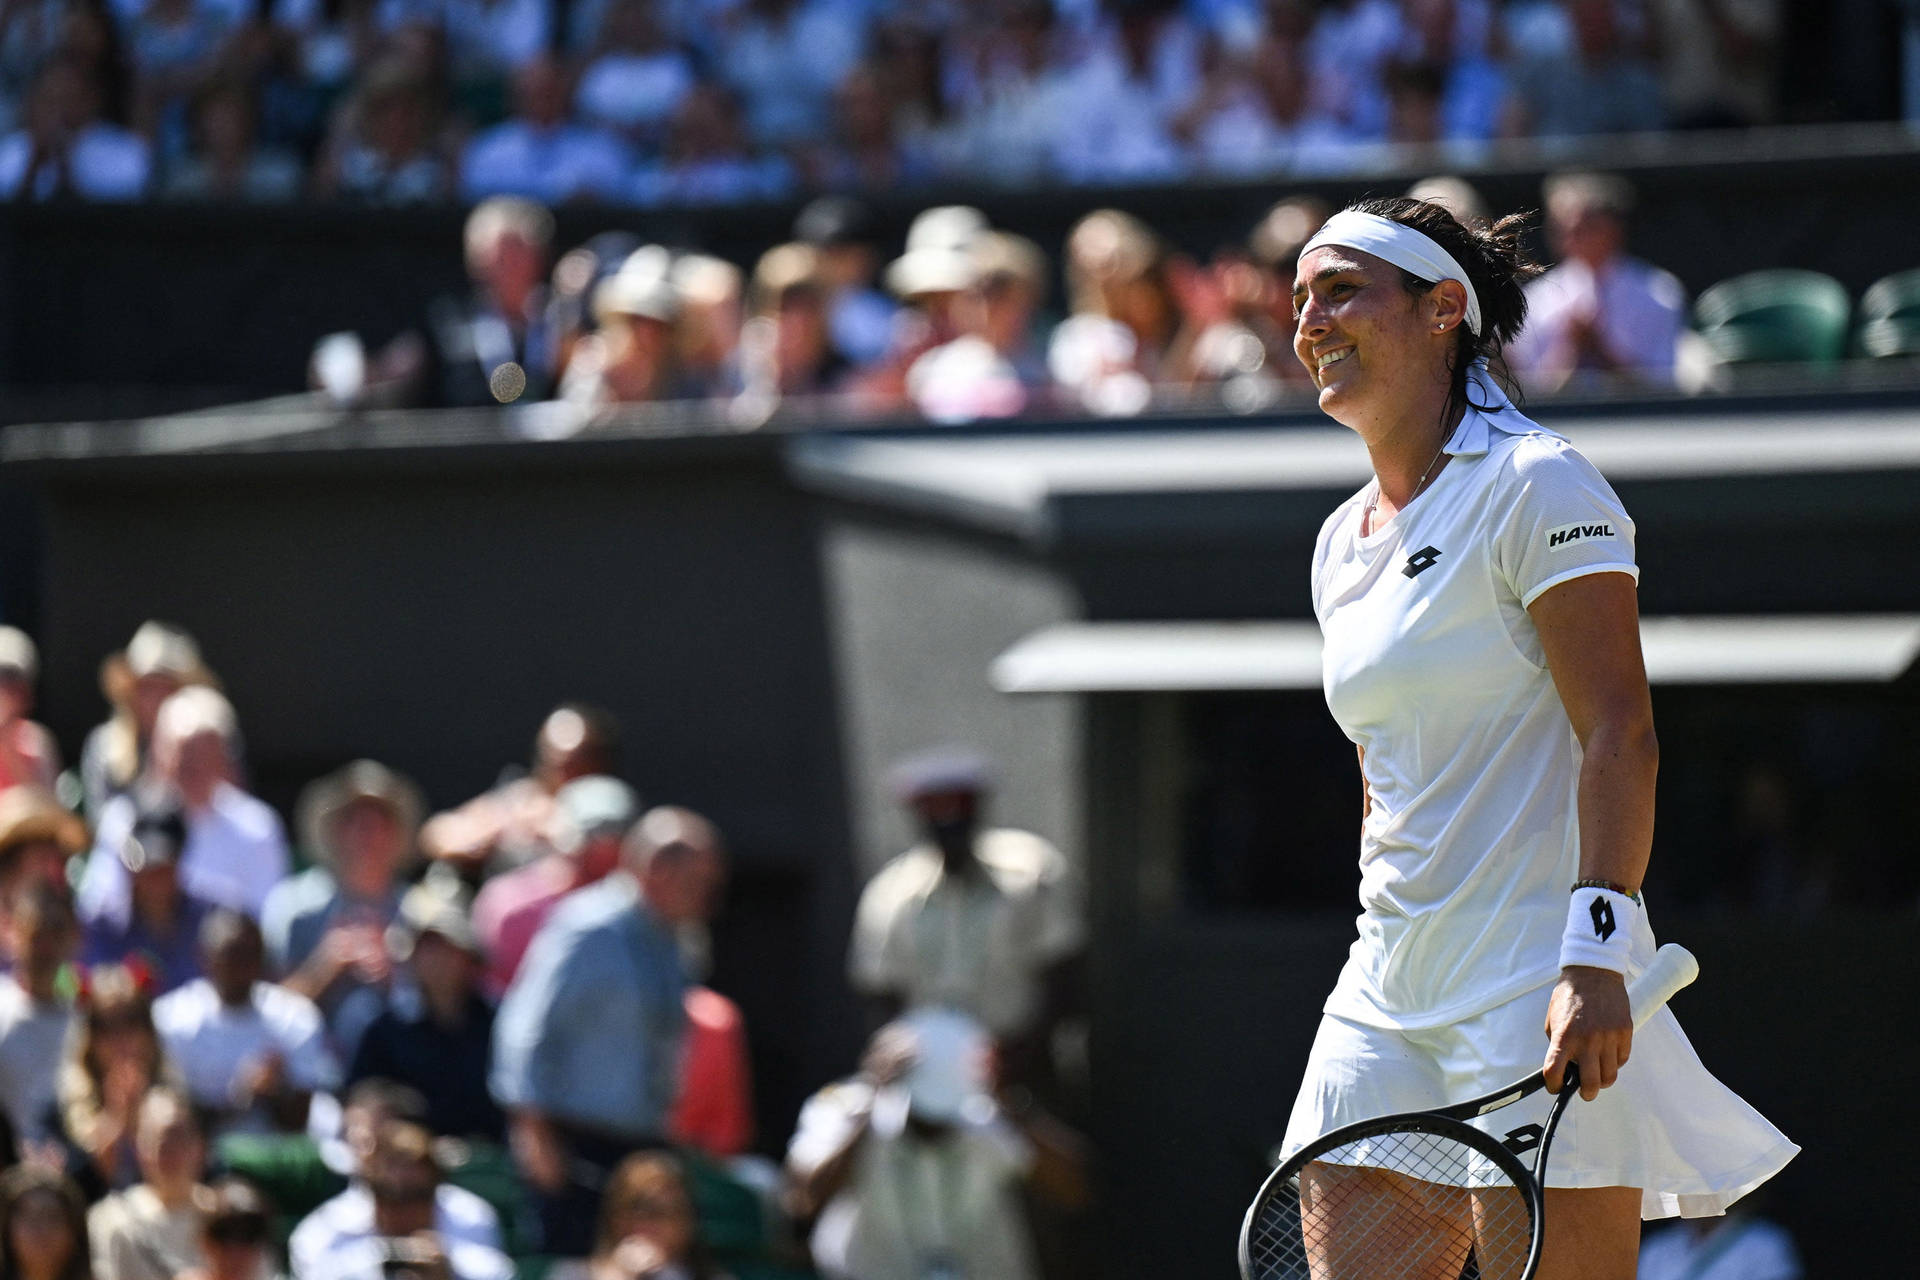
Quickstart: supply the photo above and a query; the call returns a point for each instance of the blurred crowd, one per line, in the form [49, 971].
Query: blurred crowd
[477, 1043]
[689, 102]
[967, 323]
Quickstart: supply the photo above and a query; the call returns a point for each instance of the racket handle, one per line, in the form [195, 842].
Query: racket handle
[1673, 967]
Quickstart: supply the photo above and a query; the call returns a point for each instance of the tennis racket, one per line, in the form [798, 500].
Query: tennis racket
[1425, 1195]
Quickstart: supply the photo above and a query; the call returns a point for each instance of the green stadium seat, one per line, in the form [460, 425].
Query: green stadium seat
[1781, 316]
[1890, 317]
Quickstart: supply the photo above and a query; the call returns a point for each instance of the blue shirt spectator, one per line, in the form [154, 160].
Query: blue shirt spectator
[538, 153]
[589, 1031]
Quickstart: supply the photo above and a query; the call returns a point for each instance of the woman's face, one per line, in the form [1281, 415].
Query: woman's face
[39, 1233]
[654, 1207]
[1367, 343]
[124, 1038]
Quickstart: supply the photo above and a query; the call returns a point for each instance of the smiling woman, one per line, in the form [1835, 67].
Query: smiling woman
[1486, 664]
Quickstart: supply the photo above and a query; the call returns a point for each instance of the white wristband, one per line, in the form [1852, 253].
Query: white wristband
[1599, 929]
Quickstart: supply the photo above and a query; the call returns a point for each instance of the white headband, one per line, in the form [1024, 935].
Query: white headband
[1399, 244]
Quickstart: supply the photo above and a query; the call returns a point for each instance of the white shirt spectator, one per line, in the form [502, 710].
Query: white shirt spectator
[210, 1043]
[964, 380]
[979, 944]
[1638, 308]
[103, 163]
[337, 1241]
[910, 1199]
[32, 1038]
[236, 851]
[634, 90]
[1736, 1247]
[135, 1237]
[786, 73]
[550, 165]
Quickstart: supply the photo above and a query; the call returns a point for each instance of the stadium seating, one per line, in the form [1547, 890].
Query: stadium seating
[1776, 316]
[1890, 317]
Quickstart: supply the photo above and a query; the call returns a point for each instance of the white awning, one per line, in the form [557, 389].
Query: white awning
[1149, 657]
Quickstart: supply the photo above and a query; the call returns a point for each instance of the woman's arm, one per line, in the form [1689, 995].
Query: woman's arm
[1590, 630]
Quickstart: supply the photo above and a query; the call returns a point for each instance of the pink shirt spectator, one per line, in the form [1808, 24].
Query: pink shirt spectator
[511, 908]
[714, 1112]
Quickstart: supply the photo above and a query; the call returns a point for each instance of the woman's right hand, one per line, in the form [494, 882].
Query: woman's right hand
[636, 1258]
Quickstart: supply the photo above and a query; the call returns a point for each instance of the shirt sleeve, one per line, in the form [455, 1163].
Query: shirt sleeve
[870, 964]
[826, 1122]
[303, 1036]
[1557, 519]
[528, 1032]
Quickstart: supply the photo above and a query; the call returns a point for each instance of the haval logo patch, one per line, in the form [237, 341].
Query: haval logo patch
[1568, 534]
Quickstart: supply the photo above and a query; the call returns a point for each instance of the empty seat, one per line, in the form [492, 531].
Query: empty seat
[1890, 316]
[1776, 316]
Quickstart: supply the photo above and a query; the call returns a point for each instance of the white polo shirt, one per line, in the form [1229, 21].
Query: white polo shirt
[1433, 666]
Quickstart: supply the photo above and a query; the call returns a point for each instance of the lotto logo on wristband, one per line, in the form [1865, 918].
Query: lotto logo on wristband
[1602, 919]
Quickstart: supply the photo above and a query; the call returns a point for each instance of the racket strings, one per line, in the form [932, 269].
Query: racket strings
[1401, 1205]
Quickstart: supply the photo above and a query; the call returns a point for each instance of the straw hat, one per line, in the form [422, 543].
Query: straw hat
[28, 814]
[157, 648]
[324, 800]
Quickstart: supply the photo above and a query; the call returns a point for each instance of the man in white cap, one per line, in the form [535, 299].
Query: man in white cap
[980, 920]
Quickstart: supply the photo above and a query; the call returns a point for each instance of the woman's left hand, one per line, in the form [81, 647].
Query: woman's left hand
[1589, 1022]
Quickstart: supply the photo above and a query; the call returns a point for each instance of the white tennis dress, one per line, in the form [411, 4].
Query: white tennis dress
[1471, 845]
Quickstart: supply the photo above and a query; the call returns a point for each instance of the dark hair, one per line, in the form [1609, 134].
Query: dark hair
[699, 1260]
[1496, 265]
[232, 1211]
[24, 1180]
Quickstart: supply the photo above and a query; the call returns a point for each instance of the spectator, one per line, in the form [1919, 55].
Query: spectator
[784, 58]
[326, 928]
[1004, 888]
[37, 836]
[707, 160]
[591, 816]
[539, 153]
[171, 44]
[490, 40]
[1456, 195]
[436, 1033]
[159, 936]
[1012, 97]
[1600, 315]
[1347, 49]
[236, 850]
[251, 1053]
[911, 1167]
[43, 1226]
[587, 1044]
[1118, 341]
[1254, 117]
[993, 369]
[384, 146]
[236, 1233]
[575, 276]
[158, 662]
[35, 1014]
[1142, 68]
[400, 1215]
[1719, 61]
[1736, 1246]
[631, 359]
[153, 1230]
[507, 315]
[112, 1059]
[786, 348]
[928, 279]
[1462, 38]
[707, 337]
[648, 1228]
[634, 78]
[507, 827]
[859, 317]
[66, 148]
[28, 754]
[227, 163]
[31, 31]
[1586, 73]
[866, 147]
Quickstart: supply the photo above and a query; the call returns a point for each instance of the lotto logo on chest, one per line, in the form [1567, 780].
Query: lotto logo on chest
[1568, 535]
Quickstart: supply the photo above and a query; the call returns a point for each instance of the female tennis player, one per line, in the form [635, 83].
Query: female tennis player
[1482, 649]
